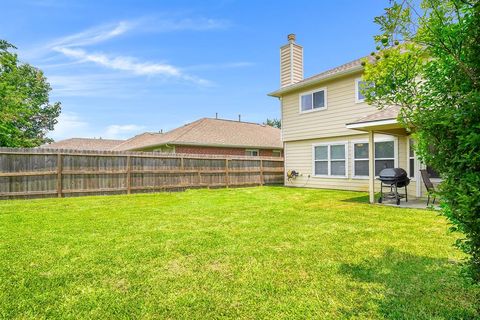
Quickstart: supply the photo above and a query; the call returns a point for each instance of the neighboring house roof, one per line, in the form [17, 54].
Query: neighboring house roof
[344, 69]
[390, 113]
[84, 144]
[211, 132]
[139, 141]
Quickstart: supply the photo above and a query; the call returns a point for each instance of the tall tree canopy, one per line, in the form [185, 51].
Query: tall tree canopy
[26, 114]
[428, 62]
[274, 122]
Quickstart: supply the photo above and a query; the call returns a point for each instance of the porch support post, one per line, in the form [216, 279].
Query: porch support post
[371, 166]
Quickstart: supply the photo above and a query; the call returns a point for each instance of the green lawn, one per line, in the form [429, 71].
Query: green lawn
[266, 252]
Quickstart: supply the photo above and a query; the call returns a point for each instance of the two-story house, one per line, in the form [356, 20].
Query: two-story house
[331, 136]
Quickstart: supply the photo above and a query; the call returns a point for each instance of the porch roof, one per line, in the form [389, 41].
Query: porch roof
[383, 121]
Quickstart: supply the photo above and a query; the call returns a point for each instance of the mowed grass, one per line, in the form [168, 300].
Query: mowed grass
[251, 253]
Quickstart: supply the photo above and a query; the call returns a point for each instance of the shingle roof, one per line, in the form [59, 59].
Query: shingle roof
[211, 132]
[389, 113]
[352, 66]
[139, 141]
[84, 144]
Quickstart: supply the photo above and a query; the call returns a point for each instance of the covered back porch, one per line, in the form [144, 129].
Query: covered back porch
[384, 122]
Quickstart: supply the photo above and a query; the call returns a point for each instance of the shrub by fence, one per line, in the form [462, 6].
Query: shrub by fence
[28, 173]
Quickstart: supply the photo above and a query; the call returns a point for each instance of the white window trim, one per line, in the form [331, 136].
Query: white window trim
[357, 91]
[415, 160]
[419, 166]
[324, 89]
[328, 144]
[383, 139]
[354, 142]
[250, 150]
[416, 174]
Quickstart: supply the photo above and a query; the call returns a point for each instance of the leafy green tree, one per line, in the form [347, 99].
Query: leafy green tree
[274, 122]
[428, 62]
[25, 112]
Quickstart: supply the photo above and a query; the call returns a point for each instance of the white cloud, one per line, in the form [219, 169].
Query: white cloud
[116, 131]
[94, 35]
[194, 24]
[88, 85]
[106, 32]
[228, 65]
[71, 125]
[70, 47]
[121, 63]
[68, 60]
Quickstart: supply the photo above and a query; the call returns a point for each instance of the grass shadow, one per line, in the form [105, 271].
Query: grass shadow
[406, 286]
[360, 199]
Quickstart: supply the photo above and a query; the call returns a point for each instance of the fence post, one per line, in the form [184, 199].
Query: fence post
[227, 178]
[108, 170]
[129, 175]
[262, 180]
[59, 174]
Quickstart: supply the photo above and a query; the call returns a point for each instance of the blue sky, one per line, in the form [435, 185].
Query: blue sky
[120, 68]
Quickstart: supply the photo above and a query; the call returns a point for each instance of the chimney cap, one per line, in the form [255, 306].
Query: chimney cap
[291, 37]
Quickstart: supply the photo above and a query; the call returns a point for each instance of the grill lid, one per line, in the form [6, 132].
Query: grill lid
[392, 173]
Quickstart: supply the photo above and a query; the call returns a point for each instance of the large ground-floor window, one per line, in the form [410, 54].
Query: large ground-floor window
[384, 157]
[330, 159]
[360, 159]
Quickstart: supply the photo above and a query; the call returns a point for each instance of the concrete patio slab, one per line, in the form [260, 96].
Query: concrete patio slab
[412, 203]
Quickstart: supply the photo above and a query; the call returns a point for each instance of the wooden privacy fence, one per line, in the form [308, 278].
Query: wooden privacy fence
[28, 173]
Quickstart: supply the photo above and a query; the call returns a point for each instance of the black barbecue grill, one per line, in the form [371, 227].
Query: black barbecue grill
[393, 179]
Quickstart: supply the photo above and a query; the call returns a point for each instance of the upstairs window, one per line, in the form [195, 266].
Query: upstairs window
[276, 153]
[311, 101]
[252, 152]
[360, 85]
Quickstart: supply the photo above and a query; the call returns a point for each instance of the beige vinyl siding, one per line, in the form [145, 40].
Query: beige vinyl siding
[297, 64]
[300, 131]
[298, 156]
[329, 122]
[291, 64]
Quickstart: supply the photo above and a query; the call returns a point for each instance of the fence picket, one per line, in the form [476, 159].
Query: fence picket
[27, 173]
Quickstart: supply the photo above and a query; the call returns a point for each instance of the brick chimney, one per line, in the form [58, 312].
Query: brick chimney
[291, 62]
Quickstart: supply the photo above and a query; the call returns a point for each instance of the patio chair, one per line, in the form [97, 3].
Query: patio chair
[428, 184]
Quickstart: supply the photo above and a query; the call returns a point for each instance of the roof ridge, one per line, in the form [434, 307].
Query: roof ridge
[193, 124]
[333, 68]
[100, 138]
[236, 121]
[129, 139]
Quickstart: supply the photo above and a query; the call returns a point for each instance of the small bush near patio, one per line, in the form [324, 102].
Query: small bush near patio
[250, 253]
